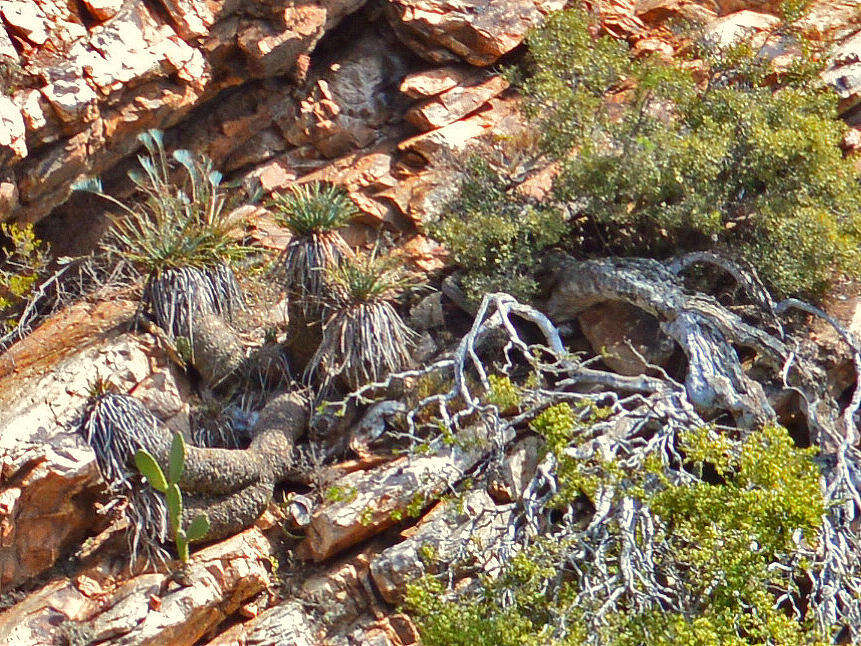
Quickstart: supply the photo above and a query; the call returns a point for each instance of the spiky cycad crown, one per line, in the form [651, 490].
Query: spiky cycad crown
[174, 225]
[313, 208]
[116, 426]
[364, 338]
[313, 213]
[366, 278]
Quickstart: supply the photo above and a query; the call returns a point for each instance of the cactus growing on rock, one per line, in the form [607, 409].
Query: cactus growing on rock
[169, 487]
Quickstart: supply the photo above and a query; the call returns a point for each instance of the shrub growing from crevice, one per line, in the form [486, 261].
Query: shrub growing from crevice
[726, 549]
[650, 162]
[12, 75]
[494, 232]
[23, 264]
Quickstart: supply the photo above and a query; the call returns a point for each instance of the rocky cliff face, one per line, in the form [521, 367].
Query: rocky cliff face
[362, 94]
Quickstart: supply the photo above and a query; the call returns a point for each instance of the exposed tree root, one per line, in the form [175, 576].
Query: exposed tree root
[645, 415]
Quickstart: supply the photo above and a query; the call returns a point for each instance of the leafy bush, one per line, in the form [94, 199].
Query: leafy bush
[11, 75]
[650, 162]
[728, 546]
[23, 263]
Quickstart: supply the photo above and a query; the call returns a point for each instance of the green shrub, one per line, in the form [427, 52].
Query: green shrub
[650, 163]
[23, 264]
[721, 541]
[494, 233]
[11, 75]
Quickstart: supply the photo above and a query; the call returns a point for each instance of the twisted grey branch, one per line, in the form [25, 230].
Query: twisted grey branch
[646, 414]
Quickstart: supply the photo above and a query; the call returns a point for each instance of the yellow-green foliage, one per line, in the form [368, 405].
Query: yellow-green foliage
[496, 234]
[24, 261]
[503, 393]
[11, 75]
[722, 538]
[736, 166]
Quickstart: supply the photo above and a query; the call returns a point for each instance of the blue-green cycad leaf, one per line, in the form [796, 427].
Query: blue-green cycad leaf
[185, 158]
[88, 185]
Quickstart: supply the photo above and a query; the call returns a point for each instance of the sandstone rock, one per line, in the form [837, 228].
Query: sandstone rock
[478, 31]
[7, 49]
[103, 9]
[519, 467]
[424, 253]
[428, 313]
[48, 474]
[464, 535]
[657, 11]
[844, 74]
[454, 104]
[377, 499]
[609, 327]
[324, 608]
[192, 17]
[742, 25]
[12, 132]
[39, 120]
[618, 19]
[852, 141]
[428, 83]
[368, 177]
[270, 49]
[725, 7]
[26, 19]
[353, 100]
[149, 608]
[287, 623]
[457, 135]
[831, 20]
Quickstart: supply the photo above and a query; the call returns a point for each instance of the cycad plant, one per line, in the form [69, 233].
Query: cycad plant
[180, 235]
[364, 338]
[313, 213]
[116, 427]
[230, 487]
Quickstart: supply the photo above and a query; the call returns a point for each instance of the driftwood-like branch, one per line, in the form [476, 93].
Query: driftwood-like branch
[645, 415]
